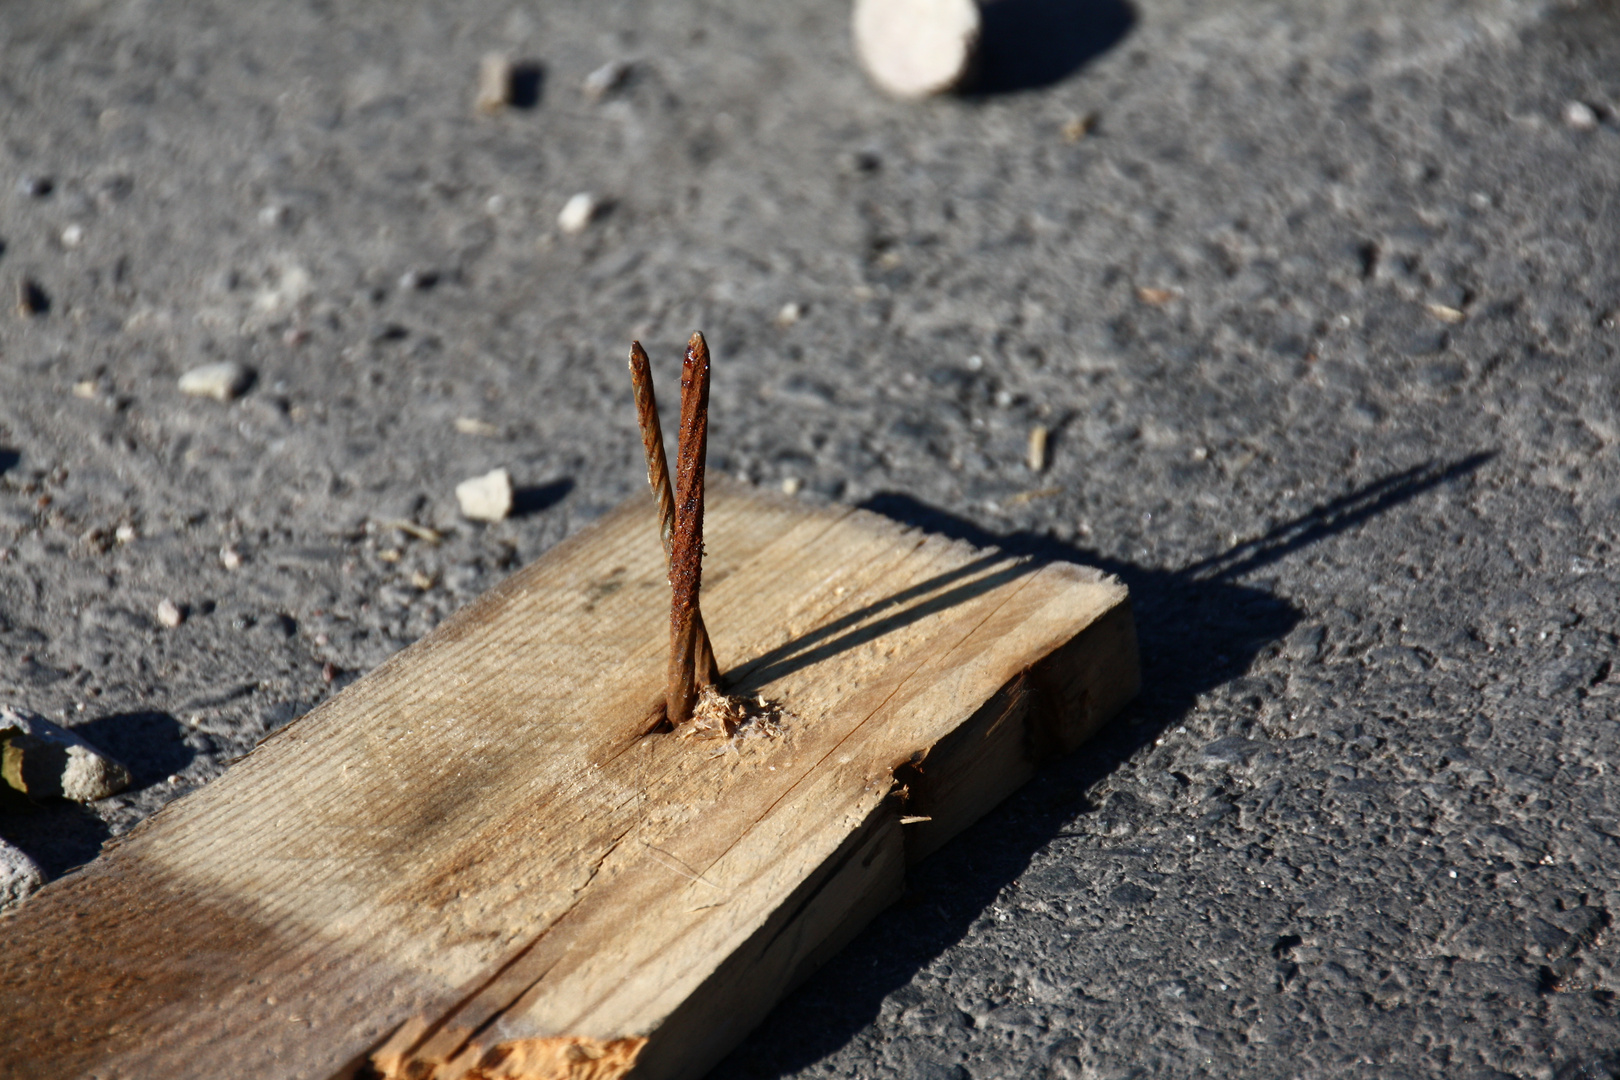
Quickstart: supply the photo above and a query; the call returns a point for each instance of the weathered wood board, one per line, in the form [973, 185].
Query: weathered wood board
[475, 862]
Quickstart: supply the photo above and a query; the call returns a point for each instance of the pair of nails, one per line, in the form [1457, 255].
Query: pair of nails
[680, 520]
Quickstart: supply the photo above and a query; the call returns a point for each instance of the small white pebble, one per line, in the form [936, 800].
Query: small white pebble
[790, 314]
[73, 235]
[916, 48]
[170, 614]
[125, 533]
[231, 558]
[468, 425]
[1037, 448]
[418, 280]
[790, 485]
[222, 381]
[494, 204]
[495, 73]
[577, 213]
[975, 362]
[1079, 127]
[84, 388]
[1580, 116]
[272, 215]
[174, 778]
[487, 497]
[605, 79]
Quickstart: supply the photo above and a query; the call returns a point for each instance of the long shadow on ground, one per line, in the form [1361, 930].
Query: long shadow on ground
[1198, 627]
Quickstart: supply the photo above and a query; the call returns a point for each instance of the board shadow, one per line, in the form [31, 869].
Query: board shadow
[1198, 628]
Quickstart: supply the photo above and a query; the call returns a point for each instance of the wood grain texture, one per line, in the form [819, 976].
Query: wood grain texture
[474, 862]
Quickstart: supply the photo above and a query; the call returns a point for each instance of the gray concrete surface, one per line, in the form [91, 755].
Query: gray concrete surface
[1363, 819]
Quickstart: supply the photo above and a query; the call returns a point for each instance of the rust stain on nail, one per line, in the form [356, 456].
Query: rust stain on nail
[691, 663]
[686, 546]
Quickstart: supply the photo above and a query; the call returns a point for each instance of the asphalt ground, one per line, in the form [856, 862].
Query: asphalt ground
[1318, 301]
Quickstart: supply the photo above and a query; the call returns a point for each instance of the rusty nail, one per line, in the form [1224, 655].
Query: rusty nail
[686, 543]
[691, 661]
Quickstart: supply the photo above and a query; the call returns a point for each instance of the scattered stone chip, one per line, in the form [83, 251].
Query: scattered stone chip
[495, 82]
[916, 48]
[487, 497]
[223, 381]
[170, 614]
[577, 213]
[1580, 116]
[44, 761]
[605, 79]
[1037, 448]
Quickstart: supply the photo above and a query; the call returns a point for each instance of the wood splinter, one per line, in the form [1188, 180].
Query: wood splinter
[692, 665]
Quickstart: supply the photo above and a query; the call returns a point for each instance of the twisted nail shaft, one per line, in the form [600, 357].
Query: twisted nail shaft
[691, 660]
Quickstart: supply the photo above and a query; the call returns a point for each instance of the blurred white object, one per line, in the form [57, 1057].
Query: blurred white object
[577, 213]
[486, 498]
[916, 48]
[605, 79]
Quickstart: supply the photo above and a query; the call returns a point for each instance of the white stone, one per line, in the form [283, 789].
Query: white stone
[605, 79]
[789, 314]
[170, 614]
[222, 381]
[487, 497]
[495, 73]
[577, 213]
[916, 48]
[1037, 448]
[73, 236]
[19, 876]
[54, 762]
[1580, 116]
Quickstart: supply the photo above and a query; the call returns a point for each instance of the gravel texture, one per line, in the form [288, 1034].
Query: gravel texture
[1316, 299]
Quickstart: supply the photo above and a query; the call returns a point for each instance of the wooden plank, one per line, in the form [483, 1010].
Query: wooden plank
[476, 863]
